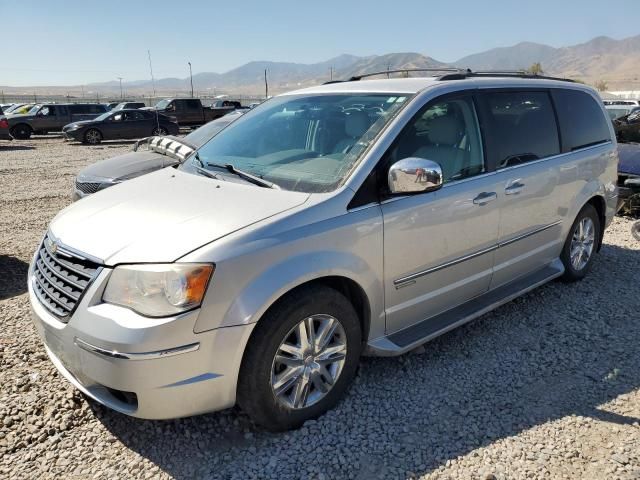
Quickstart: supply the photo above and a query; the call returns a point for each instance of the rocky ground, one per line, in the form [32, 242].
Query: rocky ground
[545, 387]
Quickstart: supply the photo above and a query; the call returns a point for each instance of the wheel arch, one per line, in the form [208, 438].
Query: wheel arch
[598, 202]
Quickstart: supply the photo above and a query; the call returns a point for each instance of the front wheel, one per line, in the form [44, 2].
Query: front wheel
[580, 246]
[22, 132]
[301, 358]
[159, 131]
[92, 137]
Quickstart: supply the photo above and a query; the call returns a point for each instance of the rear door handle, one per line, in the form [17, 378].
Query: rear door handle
[485, 197]
[514, 188]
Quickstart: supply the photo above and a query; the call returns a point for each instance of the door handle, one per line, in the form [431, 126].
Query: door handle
[514, 188]
[485, 197]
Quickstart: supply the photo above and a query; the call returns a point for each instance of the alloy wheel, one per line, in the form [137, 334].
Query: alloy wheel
[309, 361]
[93, 136]
[582, 243]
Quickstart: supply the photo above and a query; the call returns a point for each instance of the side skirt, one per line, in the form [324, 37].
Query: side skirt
[409, 338]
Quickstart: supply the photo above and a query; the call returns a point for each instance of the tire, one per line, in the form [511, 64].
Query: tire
[262, 375]
[635, 230]
[159, 131]
[581, 245]
[22, 131]
[92, 136]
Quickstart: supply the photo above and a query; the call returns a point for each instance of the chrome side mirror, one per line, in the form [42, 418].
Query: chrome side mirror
[414, 175]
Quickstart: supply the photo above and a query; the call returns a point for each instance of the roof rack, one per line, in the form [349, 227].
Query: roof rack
[401, 70]
[455, 73]
[500, 74]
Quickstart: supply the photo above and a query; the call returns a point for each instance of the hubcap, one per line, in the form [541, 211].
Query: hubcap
[309, 361]
[92, 136]
[582, 243]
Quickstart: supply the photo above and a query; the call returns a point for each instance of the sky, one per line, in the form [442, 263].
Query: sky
[71, 42]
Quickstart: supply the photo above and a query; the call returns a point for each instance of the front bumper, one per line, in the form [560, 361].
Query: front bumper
[155, 369]
[72, 135]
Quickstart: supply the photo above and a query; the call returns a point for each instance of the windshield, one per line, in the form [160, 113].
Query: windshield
[302, 143]
[162, 104]
[615, 113]
[200, 136]
[104, 116]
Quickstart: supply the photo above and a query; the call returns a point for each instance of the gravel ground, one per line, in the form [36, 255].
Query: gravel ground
[547, 386]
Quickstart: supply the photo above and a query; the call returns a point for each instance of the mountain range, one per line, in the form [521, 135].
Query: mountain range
[617, 62]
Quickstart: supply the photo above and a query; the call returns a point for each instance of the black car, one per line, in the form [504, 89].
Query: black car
[160, 152]
[121, 124]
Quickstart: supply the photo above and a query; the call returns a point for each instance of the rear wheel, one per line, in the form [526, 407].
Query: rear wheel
[160, 131]
[580, 246]
[301, 358]
[22, 131]
[92, 136]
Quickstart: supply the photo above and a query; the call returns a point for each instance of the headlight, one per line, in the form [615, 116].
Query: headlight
[158, 290]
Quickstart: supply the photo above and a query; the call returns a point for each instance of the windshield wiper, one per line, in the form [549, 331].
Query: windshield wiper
[206, 173]
[242, 174]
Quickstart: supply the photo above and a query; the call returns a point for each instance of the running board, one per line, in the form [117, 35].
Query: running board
[409, 338]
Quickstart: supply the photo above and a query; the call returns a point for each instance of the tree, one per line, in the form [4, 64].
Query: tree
[535, 69]
[602, 85]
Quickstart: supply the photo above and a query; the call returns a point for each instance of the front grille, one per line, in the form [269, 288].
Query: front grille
[86, 187]
[61, 278]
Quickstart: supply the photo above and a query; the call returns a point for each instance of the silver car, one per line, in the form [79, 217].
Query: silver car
[359, 217]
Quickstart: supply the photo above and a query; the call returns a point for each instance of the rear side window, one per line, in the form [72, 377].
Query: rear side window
[582, 122]
[522, 125]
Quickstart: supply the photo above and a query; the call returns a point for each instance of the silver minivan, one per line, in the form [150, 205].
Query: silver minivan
[363, 217]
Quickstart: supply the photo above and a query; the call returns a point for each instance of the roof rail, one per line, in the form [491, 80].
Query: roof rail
[405, 70]
[500, 73]
[455, 73]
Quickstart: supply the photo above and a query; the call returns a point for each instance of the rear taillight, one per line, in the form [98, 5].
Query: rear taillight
[4, 123]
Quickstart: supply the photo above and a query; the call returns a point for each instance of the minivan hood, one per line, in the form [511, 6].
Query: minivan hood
[162, 216]
[122, 167]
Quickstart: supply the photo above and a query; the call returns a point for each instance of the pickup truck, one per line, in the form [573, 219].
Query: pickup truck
[191, 112]
[52, 117]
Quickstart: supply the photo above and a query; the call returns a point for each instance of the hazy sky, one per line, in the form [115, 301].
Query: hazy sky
[69, 42]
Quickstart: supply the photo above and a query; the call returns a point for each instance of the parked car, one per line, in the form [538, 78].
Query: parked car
[627, 127]
[19, 108]
[622, 102]
[4, 106]
[120, 124]
[112, 105]
[160, 152]
[190, 112]
[362, 216]
[629, 178]
[50, 117]
[129, 105]
[618, 111]
[5, 133]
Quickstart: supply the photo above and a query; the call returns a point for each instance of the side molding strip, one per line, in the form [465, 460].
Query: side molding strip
[402, 281]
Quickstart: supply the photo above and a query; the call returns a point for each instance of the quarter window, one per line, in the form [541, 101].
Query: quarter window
[447, 133]
[522, 126]
[581, 119]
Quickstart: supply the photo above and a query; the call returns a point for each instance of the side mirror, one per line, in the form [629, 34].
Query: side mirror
[414, 175]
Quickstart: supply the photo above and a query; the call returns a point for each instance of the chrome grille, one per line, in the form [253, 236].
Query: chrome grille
[87, 187]
[60, 279]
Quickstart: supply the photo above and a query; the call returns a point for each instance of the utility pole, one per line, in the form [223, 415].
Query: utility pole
[153, 81]
[120, 78]
[331, 73]
[82, 86]
[3, 96]
[191, 77]
[266, 85]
